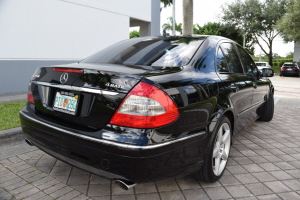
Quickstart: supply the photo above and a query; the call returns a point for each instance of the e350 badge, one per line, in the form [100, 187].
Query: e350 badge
[114, 85]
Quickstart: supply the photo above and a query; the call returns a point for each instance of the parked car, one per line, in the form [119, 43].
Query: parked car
[290, 69]
[262, 65]
[149, 108]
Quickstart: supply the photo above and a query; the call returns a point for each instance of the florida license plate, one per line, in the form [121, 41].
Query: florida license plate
[66, 102]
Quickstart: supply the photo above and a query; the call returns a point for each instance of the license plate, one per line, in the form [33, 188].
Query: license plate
[66, 102]
[289, 69]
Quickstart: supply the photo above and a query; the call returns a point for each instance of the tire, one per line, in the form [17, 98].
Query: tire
[267, 110]
[218, 152]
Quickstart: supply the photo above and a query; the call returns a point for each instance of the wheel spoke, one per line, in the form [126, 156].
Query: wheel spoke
[224, 156]
[226, 137]
[216, 149]
[217, 165]
[220, 134]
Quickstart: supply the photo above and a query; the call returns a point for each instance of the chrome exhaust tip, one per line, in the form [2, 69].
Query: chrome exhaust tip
[28, 142]
[125, 185]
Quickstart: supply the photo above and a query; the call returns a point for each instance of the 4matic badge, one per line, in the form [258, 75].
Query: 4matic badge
[114, 85]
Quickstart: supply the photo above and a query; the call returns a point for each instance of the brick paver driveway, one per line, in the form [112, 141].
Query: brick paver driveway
[264, 164]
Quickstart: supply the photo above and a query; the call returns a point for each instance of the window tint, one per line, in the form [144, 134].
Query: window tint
[158, 52]
[232, 58]
[290, 65]
[221, 62]
[261, 64]
[248, 63]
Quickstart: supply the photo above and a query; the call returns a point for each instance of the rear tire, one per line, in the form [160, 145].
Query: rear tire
[267, 110]
[217, 155]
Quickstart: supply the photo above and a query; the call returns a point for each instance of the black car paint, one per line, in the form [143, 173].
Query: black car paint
[201, 94]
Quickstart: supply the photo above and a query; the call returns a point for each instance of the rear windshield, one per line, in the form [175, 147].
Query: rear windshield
[158, 52]
[289, 65]
[261, 64]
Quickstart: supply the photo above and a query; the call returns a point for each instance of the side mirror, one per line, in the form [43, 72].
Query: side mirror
[267, 72]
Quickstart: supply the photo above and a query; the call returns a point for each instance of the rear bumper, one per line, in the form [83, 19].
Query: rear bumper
[289, 73]
[113, 160]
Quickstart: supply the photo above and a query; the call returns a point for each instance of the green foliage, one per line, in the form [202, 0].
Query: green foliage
[289, 24]
[167, 2]
[290, 55]
[257, 19]
[9, 114]
[169, 25]
[276, 62]
[225, 30]
[134, 34]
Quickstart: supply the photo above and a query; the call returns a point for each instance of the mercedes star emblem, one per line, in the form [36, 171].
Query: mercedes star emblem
[64, 78]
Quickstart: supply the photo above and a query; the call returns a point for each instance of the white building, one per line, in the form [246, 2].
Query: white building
[296, 52]
[47, 32]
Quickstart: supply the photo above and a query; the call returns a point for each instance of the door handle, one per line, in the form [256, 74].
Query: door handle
[234, 87]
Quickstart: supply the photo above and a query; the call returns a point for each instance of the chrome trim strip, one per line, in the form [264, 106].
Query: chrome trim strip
[107, 142]
[257, 104]
[75, 88]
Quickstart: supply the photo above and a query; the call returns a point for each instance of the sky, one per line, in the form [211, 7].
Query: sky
[209, 11]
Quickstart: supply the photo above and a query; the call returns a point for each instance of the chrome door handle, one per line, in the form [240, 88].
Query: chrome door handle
[234, 87]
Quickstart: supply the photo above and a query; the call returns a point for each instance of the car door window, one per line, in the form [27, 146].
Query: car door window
[232, 58]
[221, 62]
[248, 63]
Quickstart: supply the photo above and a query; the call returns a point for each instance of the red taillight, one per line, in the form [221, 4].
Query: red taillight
[68, 70]
[29, 94]
[282, 68]
[30, 98]
[146, 106]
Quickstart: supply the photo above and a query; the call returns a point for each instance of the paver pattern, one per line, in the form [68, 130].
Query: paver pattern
[264, 164]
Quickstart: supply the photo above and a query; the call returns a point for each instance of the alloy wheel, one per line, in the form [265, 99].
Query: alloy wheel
[221, 149]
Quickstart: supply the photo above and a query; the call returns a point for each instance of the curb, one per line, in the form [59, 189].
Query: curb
[11, 137]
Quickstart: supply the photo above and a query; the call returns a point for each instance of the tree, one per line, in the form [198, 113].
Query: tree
[166, 2]
[169, 25]
[289, 25]
[134, 34]
[187, 17]
[290, 55]
[225, 30]
[257, 19]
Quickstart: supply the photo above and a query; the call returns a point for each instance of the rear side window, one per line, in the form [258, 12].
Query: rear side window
[289, 65]
[156, 52]
[247, 61]
[232, 58]
[221, 62]
[261, 64]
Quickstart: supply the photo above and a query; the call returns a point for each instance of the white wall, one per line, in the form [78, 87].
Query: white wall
[297, 53]
[139, 9]
[56, 29]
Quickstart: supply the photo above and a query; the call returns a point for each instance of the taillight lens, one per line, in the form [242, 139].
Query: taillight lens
[29, 94]
[68, 70]
[146, 106]
[282, 68]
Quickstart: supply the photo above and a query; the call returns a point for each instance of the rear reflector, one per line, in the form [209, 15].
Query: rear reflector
[146, 106]
[68, 70]
[30, 98]
[29, 94]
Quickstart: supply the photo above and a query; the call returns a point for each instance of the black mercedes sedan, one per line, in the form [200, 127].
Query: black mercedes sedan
[290, 69]
[148, 108]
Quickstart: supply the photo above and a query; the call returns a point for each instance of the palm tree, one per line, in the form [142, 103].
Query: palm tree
[169, 25]
[187, 17]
